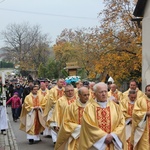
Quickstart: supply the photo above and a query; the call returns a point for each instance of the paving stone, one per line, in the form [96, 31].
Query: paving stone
[8, 141]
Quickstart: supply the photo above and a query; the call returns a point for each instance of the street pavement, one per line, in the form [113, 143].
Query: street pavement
[8, 140]
[22, 142]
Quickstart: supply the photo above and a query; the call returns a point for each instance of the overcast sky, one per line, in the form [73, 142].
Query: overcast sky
[52, 15]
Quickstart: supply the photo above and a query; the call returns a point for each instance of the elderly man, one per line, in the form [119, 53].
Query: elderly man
[56, 119]
[68, 135]
[114, 94]
[32, 115]
[140, 135]
[103, 124]
[127, 109]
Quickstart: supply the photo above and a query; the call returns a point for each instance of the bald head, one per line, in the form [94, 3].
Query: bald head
[83, 94]
[113, 87]
[42, 86]
[91, 85]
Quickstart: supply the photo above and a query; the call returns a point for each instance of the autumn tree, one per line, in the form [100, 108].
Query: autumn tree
[64, 49]
[113, 48]
[121, 44]
[79, 45]
[51, 70]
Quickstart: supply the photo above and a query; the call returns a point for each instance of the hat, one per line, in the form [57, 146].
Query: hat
[16, 93]
[111, 80]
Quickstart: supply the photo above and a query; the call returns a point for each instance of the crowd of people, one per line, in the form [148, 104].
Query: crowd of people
[85, 117]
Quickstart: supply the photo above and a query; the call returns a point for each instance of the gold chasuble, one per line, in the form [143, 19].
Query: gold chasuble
[140, 136]
[58, 112]
[71, 122]
[32, 119]
[127, 109]
[43, 93]
[117, 95]
[51, 98]
[98, 122]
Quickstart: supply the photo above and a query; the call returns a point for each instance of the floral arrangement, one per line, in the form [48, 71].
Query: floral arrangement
[72, 79]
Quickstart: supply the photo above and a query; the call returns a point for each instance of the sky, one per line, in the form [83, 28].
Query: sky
[52, 15]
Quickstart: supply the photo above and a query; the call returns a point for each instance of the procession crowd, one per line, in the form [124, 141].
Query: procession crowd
[86, 116]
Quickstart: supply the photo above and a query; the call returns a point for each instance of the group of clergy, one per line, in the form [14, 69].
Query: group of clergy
[88, 117]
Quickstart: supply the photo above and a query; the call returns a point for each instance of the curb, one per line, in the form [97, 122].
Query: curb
[11, 138]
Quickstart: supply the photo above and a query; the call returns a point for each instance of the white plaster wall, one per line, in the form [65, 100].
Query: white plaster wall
[146, 47]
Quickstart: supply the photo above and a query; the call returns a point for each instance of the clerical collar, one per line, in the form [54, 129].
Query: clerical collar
[102, 104]
[82, 104]
[34, 95]
[132, 102]
[43, 90]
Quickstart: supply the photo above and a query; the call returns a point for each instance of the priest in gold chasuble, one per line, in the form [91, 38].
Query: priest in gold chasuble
[31, 118]
[133, 86]
[43, 91]
[140, 135]
[103, 124]
[69, 133]
[54, 122]
[127, 109]
[52, 96]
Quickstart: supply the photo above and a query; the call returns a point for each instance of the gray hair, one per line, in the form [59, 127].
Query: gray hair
[68, 86]
[132, 92]
[98, 85]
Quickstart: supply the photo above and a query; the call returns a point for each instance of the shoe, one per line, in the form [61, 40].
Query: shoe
[31, 141]
[4, 132]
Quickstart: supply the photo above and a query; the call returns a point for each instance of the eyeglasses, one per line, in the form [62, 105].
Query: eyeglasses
[69, 91]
